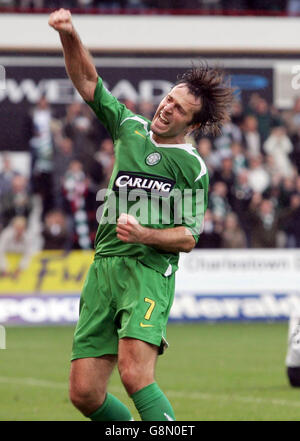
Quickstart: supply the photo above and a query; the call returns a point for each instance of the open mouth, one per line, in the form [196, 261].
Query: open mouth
[163, 119]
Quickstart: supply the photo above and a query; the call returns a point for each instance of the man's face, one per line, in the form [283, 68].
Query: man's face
[172, 119]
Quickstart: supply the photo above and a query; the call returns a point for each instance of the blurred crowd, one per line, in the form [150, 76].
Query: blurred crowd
[290, 7]
[255, 183]
[254, 168]
[71, 159]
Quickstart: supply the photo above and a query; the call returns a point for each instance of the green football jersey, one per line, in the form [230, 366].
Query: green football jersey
[162, 185]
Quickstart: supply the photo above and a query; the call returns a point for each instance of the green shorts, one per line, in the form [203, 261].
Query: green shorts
[121, 297]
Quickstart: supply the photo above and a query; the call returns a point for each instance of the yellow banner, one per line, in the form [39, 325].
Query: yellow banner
[49, 272]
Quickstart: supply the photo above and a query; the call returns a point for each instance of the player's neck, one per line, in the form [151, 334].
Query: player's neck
[179, 139]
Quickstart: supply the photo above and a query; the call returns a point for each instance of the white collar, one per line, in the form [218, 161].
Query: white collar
[179, 146]
[188, 148]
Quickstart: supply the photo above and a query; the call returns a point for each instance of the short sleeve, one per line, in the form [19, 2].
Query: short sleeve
[108, 109]
[190, 210]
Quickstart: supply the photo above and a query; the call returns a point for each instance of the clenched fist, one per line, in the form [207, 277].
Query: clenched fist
[61, 21]
[129, 230]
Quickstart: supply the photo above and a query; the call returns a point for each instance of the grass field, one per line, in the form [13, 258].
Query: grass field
[220, 372]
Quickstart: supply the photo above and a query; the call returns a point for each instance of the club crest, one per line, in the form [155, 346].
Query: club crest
[153, 158]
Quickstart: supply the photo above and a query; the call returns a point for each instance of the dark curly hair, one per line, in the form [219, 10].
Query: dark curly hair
[216, 94]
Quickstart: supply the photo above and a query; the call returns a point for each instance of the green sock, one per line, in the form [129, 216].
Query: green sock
[111, 410]
[152, 404]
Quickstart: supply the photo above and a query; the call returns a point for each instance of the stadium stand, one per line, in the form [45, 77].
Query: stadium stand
[254, 172]
[254, 164]
[222, 7]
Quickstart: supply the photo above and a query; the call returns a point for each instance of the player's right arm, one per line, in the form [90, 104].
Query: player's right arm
[79, 63]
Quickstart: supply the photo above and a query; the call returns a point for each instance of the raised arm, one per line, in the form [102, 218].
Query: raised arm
[79, 64]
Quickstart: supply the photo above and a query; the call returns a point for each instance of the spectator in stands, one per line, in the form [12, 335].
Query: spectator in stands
[6, 175]
[63, 156]
[85, 4]
[226, 174]
[211, 158]
[272, 170]
[237, 112]
[251, 136]
[57, 232]
[239, 160]
[287, 189]
[264, 222]
[16, 238]
[81, 204]
[290, 222]
[78, 126]
[279, 146]
[105, 158]
[261, 110]
[230, 133]
[291, 117]
[257, 154]
[147, 109]
[218, 202]
[35, 4]
[295, 155]
[211, 234]
[258, 177]
[232, 235]
[42, 150]
[242, 197]
[242, 192]
[17, 201]
[72, 113]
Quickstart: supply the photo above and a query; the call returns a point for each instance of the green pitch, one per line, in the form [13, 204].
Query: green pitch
[210, 372]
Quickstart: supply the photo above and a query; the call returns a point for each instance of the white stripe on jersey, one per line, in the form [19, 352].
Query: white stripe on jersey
[188, 148]
[137, 118]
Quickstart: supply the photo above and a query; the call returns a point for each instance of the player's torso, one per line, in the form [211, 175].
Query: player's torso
[145, 177]
[140, 165]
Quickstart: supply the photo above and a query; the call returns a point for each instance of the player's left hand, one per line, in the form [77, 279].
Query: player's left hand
[129, 230]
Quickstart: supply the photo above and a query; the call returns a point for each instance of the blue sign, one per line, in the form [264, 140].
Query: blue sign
[242, 307]
[249, 82]
[59, 310]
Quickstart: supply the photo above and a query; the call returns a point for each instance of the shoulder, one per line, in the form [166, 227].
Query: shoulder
[136, 120]
[191, 163]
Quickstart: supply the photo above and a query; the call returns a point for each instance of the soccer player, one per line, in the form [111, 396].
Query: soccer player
[129, 288]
